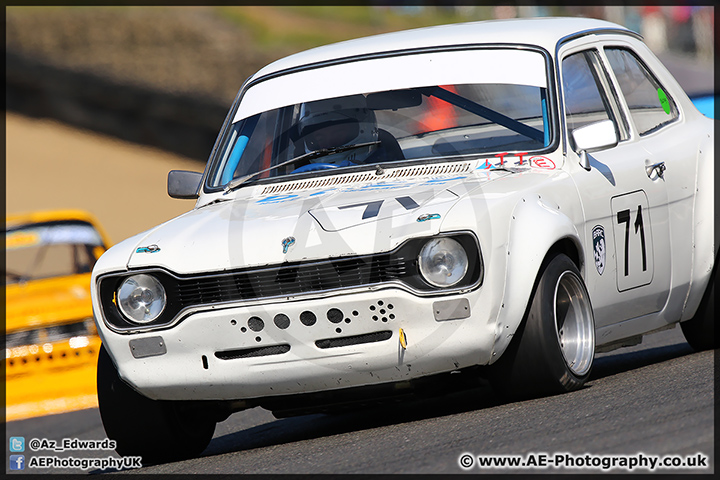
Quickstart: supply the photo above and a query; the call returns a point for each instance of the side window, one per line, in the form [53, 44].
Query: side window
[649, 104]
[584, 102]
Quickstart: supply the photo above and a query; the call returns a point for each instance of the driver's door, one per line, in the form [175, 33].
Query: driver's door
[624, 201]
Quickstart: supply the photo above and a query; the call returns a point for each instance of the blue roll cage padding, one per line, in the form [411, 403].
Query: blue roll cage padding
[242, 141]
[546, 129]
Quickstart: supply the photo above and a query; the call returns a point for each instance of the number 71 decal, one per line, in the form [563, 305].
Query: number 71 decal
[633, 240]
[372, 209]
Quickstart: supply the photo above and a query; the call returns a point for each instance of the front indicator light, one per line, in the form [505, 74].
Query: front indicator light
[443, 262]
[141, 298]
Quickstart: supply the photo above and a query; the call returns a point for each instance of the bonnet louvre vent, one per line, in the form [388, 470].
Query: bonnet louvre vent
[332, 181]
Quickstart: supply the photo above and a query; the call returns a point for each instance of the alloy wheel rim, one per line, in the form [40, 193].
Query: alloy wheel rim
[574, 324]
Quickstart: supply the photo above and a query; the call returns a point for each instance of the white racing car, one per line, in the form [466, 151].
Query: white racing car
[387, 215]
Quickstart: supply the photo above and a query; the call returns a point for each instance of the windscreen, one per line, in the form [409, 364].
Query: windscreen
[48, 250]
[428, 109]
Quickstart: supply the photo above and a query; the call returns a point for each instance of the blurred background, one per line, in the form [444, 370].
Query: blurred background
[101, 102]
[165, 76]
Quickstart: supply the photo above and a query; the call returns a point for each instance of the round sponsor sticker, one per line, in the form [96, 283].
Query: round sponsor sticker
[664, 102]
[542, 162]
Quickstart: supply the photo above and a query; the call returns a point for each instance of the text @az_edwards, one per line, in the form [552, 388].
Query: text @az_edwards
[37, 444]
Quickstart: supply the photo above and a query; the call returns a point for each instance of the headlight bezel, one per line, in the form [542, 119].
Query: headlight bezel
[108, 286]
[473, 277]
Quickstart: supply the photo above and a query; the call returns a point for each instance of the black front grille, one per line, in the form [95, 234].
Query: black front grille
[291, 280]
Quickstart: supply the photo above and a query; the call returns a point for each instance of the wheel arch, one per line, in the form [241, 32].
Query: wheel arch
[705, 228]
[568, 246]
[538, 230]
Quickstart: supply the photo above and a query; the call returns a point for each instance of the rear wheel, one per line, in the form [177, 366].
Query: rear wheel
[156, 430]
[553, 349]
[699, 331]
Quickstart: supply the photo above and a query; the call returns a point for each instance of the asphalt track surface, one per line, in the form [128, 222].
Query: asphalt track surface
[654, 399]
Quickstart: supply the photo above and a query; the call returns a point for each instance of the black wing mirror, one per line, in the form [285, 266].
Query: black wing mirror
[183, 184]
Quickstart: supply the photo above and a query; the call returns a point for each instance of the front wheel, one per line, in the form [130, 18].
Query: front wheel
[156, 430]
[553, 349]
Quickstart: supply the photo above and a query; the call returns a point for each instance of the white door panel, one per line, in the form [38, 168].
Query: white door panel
[630, 209]
[625, 203]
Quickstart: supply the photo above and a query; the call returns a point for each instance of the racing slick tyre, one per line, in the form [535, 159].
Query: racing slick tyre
[553, 349]
[157, 430]
[699, 331]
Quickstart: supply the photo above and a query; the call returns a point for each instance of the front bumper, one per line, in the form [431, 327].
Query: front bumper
[274, 348]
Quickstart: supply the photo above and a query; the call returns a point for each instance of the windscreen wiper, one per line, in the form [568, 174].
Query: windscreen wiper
[238, 182]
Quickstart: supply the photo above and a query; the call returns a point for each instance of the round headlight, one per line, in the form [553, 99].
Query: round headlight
[443, 262]
[141, 298]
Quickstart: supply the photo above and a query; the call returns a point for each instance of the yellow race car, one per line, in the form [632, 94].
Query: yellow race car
[51, 344]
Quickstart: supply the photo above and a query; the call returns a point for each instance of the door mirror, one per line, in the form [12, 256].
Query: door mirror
[592, 137]
[595, 136]
[183, 184]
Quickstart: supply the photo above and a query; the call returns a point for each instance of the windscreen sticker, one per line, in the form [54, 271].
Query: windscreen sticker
[21, 239]
[536, 161]
[442, 181]
[542, 162]
[502, 157]
[322, 192]
[53, 234]
[273, 199]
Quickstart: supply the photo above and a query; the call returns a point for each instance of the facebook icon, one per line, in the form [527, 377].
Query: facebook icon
[17, 462]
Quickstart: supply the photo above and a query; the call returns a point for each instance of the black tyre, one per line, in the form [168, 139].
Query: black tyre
[553, 349]
[158, 431]
[699, 331]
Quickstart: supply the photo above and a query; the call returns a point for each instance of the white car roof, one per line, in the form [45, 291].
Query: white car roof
[544, 32]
